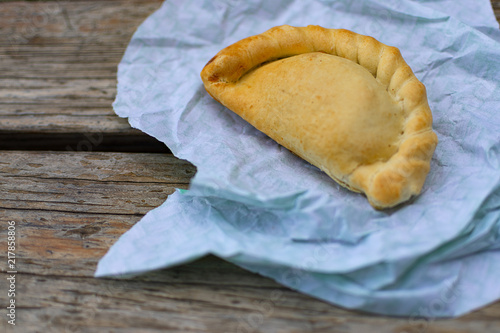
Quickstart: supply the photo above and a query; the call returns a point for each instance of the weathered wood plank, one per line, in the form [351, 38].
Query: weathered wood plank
[98, 92]
[496, 8]
[71, 206]
[150, 304]
[89, 182]
[65, 32]
[58, 62]
[105, 167]
[30, 19]
[62, 123]
[55, 105]
[62, 234]
[64, 68]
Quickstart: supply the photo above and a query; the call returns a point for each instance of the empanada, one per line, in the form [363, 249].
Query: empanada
[342, 101]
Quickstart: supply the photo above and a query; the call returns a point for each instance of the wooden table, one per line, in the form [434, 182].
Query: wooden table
[74, 177]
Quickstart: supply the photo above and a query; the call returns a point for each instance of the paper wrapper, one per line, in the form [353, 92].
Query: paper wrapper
[257, 205]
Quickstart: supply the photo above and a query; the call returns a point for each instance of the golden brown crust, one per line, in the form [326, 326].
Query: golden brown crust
[241, 77]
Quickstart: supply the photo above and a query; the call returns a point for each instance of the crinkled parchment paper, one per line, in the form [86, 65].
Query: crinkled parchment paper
[257, 205]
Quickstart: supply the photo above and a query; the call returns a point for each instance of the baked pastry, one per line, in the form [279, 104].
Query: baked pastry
[342, 101]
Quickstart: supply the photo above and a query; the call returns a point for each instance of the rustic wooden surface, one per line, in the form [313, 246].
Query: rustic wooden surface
[496, 8]
[71, 177]
[58, 62]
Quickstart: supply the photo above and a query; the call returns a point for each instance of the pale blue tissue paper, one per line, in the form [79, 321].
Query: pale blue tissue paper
[257, 205]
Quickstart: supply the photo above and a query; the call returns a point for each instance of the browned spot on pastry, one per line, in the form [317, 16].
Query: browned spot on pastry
[213, 78]
[211, 60]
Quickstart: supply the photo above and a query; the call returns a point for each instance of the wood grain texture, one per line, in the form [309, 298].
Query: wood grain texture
[70, 207]
[89, 182]
[496, 8]
[58, 63]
